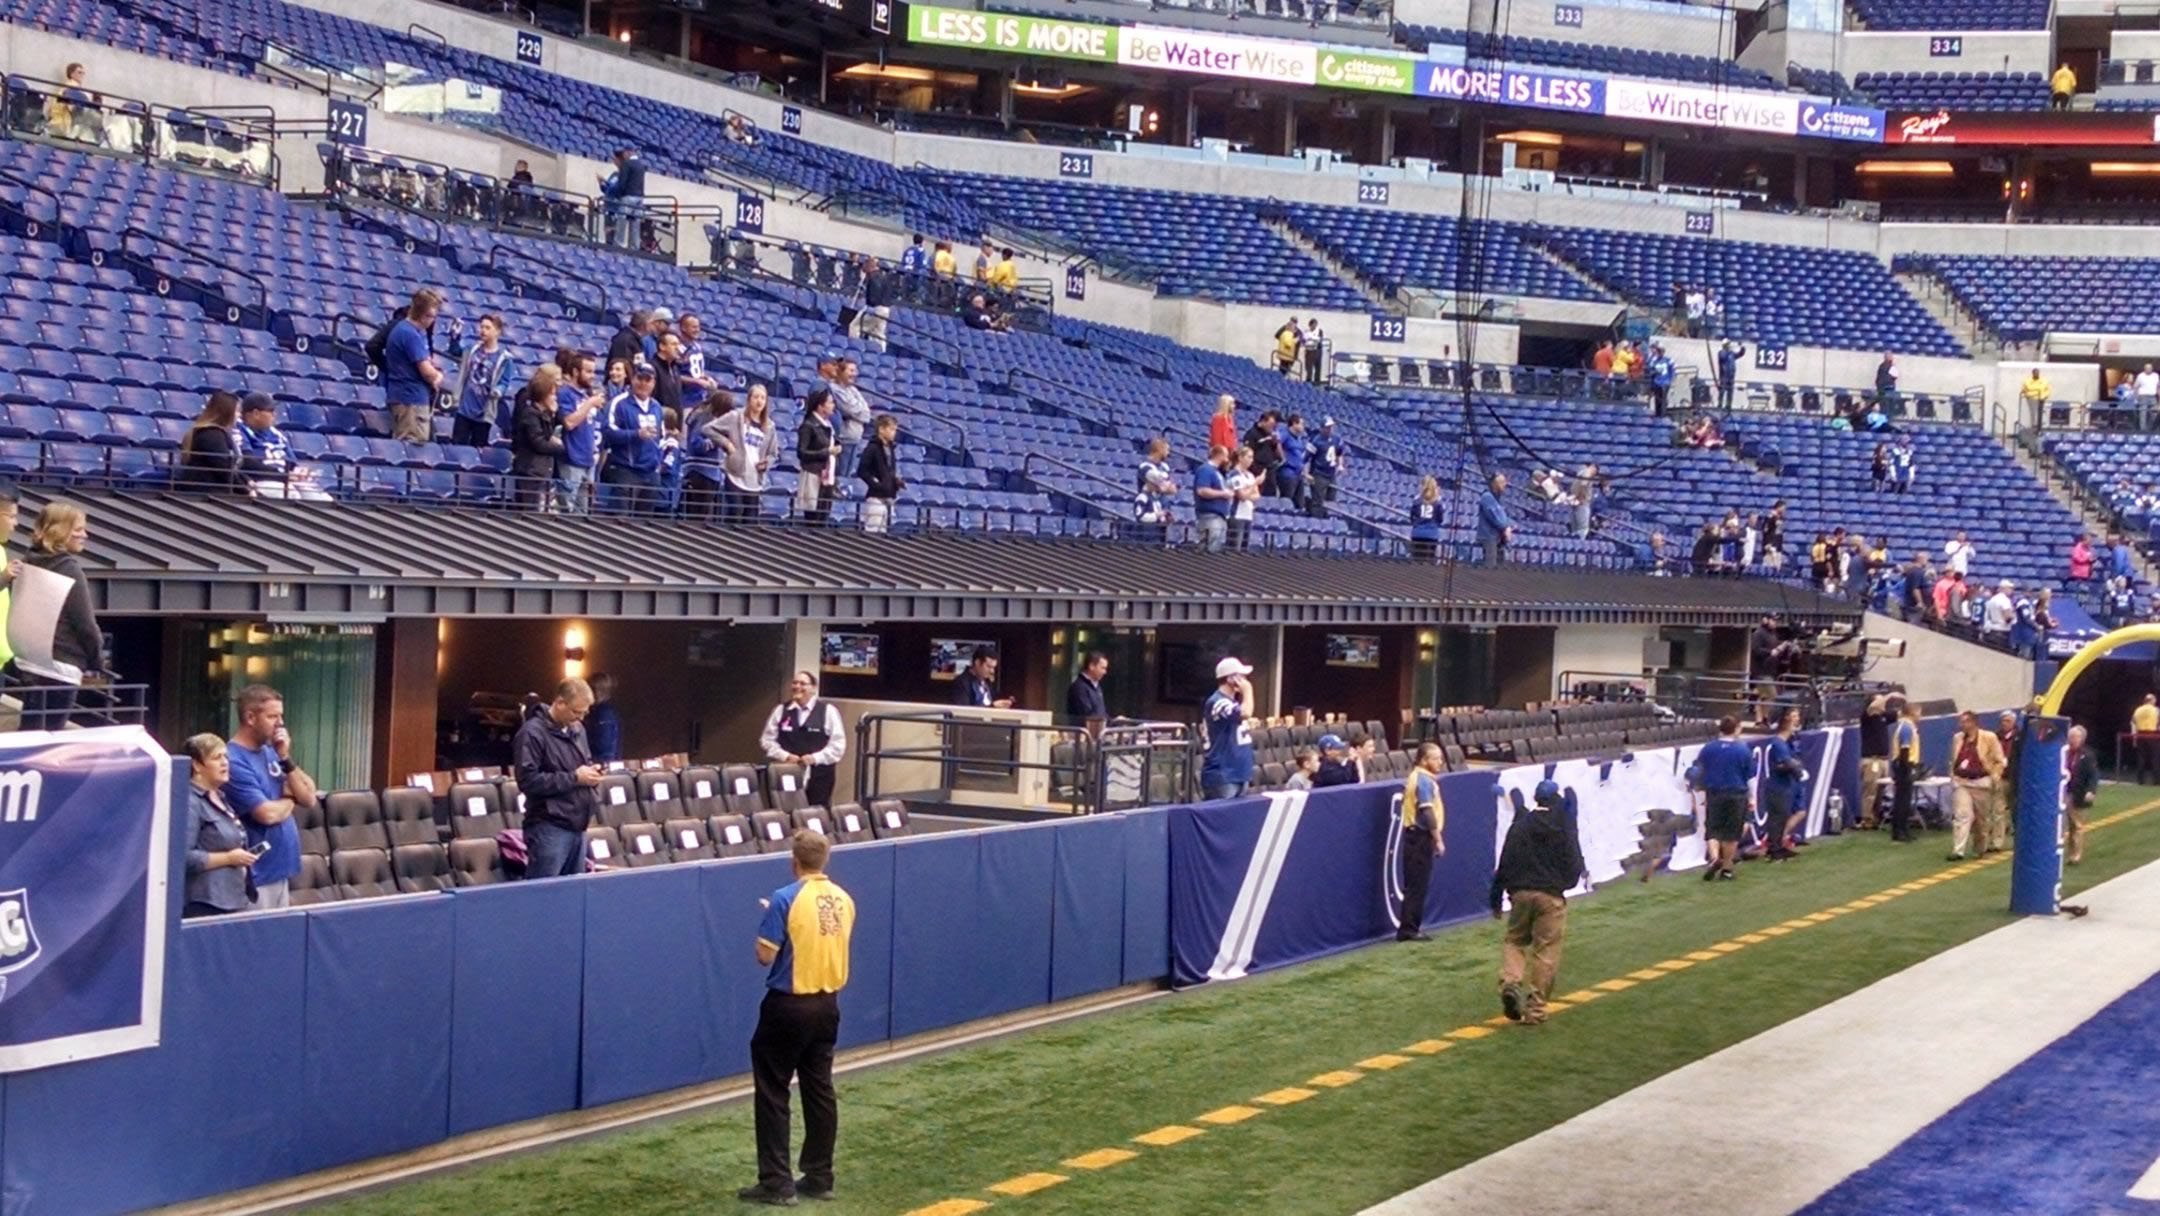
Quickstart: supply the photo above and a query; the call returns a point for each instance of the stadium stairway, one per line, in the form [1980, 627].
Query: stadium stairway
[1382, 299]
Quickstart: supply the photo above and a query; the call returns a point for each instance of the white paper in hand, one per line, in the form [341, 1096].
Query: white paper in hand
[33, 617]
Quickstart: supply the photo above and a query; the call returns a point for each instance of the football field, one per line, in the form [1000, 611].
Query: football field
[1332, 1086]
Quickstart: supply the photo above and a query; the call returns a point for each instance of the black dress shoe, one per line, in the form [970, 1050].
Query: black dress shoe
[804, 1190]
[758, 1194]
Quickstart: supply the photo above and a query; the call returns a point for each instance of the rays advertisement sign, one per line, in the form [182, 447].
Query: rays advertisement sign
[85, 857]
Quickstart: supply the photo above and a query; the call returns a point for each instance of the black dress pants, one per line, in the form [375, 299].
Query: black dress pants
[1901, 796]
[794, 1038]
[1417, 859]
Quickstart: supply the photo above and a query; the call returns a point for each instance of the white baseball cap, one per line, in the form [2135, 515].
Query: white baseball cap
[1231, 667]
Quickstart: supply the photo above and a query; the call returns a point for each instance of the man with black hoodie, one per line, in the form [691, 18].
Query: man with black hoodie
[1539, 861]
[879, 471]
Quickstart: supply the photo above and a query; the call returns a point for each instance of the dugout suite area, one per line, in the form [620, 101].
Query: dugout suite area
[382, 624]
[445, 690]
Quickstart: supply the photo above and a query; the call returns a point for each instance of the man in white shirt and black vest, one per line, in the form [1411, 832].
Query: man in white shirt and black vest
[807, 731]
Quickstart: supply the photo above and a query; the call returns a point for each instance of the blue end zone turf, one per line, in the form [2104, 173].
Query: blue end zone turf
[2068, 1131]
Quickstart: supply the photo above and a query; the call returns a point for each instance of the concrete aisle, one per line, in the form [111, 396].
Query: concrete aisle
[1844, 1084]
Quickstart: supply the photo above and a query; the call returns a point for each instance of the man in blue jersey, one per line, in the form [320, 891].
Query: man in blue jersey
[697, 383]
[632, 434]
[578, 403]
[1212, 497]
[1228, 715]
[1323, 468]
[1154, 494]
[803, 939]
[1724, 768]
[264, 788]
[1782, 774]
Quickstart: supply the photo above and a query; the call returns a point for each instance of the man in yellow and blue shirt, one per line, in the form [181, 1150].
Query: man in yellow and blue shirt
[1422, 818]
[804, 940]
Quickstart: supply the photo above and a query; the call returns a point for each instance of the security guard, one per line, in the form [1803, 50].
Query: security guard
[804, 939]
[1422, 817]
[804, 730]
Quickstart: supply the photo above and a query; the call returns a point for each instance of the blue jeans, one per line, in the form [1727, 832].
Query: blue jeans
[844, 472]
[552, 850]
[1216, 791]
[571, 487]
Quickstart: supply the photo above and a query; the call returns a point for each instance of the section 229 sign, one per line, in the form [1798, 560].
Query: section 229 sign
[85, 861]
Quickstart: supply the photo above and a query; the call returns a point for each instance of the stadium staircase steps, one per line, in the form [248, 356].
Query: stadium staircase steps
[1934, 295]
[2093, 516]
[1381, 301]
[1588, 276]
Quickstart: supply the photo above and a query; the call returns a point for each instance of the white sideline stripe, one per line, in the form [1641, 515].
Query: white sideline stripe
[2147, 1185]
[1235, 953]
[1848, 1082]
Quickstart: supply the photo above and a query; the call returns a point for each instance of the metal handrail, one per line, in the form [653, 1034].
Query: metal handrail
[599, 311]
[1110, 407]
[8, 175]
[415, 30]
[329, 70]
[262, 287]
[914, 410]
[340, 183]
[1028, 464]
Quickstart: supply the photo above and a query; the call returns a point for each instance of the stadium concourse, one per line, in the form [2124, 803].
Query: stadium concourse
[577, 560]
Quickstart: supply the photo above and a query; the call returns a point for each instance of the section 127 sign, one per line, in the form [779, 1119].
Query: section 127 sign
[85, 859]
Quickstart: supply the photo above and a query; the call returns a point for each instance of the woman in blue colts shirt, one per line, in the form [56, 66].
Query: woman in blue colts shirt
[1425, 521]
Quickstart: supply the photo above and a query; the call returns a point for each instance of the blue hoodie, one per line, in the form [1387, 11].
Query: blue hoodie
[627, 448]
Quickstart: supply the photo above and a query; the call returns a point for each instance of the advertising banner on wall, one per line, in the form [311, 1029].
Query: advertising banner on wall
[2092, 129]
[1508, 87]
[85, 853]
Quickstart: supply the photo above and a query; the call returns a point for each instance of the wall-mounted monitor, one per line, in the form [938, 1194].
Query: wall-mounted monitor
[842, 653]
[1353, 650]
[951, 656]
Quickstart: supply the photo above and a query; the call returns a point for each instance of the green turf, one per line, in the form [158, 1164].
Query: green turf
[951, 1125]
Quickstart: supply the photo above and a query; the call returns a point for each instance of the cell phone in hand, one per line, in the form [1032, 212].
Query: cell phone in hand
[257, 850]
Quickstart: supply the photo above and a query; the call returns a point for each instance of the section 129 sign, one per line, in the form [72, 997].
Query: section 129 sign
[1388, 329]
[1076, 282]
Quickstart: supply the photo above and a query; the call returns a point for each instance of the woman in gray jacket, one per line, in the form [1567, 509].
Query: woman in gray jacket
[218, 859]
[747, 450]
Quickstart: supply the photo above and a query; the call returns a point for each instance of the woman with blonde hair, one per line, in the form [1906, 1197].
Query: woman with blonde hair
[78, 645]
[1425, 521]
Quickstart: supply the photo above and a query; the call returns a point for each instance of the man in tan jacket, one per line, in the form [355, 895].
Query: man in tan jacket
[1976, 775]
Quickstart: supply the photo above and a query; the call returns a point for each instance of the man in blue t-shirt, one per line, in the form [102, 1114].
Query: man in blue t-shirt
[264, 788]
[410, 377]
[697, 383]
[1212, 497]
[1782, 774]
[1495, 531]
[578, 404]
[1229, 713]
[1290, 474]
[1723, 769]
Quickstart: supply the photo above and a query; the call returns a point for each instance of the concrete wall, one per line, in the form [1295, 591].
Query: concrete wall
[1600, 648]
[2134, 44]
[1683, 30]
[1937, 665]
[2022, 51]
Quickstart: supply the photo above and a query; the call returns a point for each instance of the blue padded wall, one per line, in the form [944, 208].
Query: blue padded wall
[517, 984]
[728, 892]
[646, 1001]
[377, 1078]
[1087, 919]
[1147, 895]
[1012, 927]
[935, 930]
[865, 871]
[152, 1127]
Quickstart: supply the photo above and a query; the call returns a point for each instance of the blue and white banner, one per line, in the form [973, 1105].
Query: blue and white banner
[85, 852]
[1509, 87]
[1264, 882]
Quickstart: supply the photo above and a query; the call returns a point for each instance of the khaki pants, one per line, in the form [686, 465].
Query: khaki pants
[412, 423]
[1530, 948]
[1874, 770]
[1975, 815]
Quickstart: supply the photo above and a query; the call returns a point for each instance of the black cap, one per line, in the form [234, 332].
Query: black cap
[258, 401]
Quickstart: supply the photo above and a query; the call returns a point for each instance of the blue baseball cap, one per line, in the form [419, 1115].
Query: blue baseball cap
[1548, 793]
[1332, 743]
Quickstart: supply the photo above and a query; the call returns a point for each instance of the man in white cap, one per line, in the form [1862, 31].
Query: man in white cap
[1999, 613]
[1229, 712]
